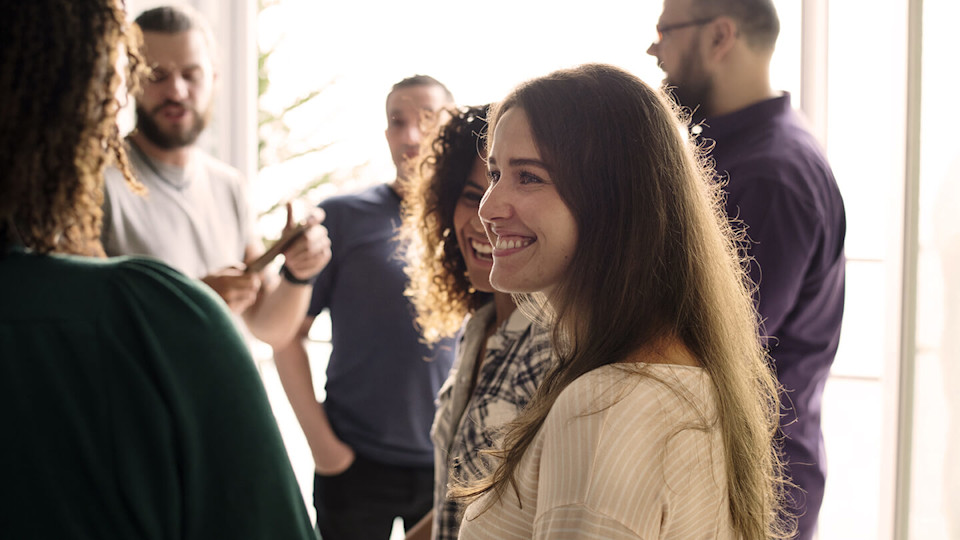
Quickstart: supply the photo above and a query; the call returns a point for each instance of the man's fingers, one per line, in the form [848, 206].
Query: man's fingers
[316, 216]
[239, 300]
[290, 223]
[313, 239]
[244, 283]
[314, 246]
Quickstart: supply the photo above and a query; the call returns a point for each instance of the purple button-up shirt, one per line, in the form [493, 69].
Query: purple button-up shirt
[782, 189]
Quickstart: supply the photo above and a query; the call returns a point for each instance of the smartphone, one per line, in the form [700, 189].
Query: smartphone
[277, 248]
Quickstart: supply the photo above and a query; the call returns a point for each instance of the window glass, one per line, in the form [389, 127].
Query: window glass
[478, 57]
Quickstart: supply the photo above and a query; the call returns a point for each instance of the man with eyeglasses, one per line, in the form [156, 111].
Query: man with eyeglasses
[716, 56]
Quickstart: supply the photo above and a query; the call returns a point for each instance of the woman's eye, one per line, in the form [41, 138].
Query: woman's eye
[470, 199]
[527, 178]
[493, 176]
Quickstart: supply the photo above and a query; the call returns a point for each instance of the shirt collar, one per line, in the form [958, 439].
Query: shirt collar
[724, 126]
[508, 332]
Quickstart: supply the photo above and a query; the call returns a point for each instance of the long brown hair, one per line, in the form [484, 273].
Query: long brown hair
[656, 259]
[58, 83]
[439, 287]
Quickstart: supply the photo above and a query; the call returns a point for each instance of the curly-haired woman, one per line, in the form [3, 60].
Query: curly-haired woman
[502, 356]
[131, 405]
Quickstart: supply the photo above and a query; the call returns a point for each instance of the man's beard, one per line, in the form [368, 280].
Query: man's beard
[692, 88]
[170, 141]
[693, 95]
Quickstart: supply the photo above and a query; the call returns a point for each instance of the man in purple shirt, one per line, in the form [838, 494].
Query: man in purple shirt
[716, 56]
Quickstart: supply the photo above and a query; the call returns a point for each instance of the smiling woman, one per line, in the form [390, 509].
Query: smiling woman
[533, 230]
[658, 420]
[502, 356]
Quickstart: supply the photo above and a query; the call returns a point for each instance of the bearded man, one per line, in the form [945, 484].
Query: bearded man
[716, 56]
[195, 215]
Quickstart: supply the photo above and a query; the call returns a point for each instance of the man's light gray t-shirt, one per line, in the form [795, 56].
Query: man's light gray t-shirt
[196, 219]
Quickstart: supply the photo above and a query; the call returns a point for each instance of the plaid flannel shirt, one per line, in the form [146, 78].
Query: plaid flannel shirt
[517, 357]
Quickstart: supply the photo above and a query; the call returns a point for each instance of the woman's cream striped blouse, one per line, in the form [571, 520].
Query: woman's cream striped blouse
[620, 455]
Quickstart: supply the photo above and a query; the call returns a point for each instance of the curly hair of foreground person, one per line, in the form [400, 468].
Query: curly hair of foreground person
[60, 75]
[439, 287]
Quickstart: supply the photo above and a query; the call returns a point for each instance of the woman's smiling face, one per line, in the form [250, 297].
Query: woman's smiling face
[474, 246]
[533, 232]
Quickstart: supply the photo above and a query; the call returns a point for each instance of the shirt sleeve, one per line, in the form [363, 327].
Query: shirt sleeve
[783, 229]
[325, 282]
[108, 233]
[571, 497]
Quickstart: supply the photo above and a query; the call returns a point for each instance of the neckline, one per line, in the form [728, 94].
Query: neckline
[727, 125]
[154, 167]
[396, 195]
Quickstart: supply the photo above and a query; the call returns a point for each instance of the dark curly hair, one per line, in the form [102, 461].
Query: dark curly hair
[439, 288]
[58, 123]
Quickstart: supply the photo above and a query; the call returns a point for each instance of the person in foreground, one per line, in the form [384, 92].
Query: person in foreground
[132, 405]
[502, 356]
[659, 419]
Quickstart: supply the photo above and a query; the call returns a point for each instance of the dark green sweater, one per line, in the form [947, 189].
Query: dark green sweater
[131, 409]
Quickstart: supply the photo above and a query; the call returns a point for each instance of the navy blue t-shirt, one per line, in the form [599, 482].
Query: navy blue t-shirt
[382, 382]
[783, 190]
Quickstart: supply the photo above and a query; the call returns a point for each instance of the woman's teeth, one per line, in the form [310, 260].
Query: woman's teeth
[512, 243]
[483, 249]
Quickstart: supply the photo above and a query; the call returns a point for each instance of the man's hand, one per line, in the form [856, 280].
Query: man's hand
[310, 253]
[333, 459]
[238, 290]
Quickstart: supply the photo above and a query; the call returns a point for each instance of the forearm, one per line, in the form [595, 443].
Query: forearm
[423, 529]
[293, 366]
[275, 316]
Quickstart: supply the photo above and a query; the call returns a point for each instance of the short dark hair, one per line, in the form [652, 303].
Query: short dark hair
[758, 19]
[421, 80]
[170, 20]
[177, 19]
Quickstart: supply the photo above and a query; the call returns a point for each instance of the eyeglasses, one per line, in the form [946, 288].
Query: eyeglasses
[663, 29]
